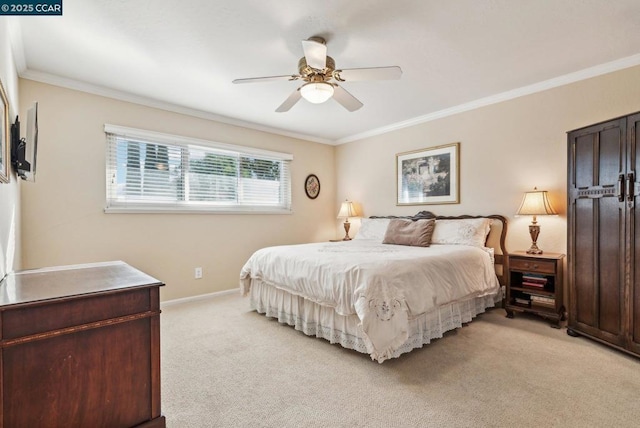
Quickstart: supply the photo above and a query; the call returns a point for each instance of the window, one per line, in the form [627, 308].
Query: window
[149, 171]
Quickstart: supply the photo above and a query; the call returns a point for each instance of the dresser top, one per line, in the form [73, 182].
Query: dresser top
[35, 285]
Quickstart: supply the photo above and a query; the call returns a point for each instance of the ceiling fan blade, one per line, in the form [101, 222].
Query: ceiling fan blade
[315, 53]
[290, 101]
[266, 79]
[345, 99]
[375, 73]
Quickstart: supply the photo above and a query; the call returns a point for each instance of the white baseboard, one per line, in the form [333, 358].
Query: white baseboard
[174, 302]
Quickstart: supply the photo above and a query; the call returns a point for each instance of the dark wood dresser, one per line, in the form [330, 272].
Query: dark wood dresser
[80, 347]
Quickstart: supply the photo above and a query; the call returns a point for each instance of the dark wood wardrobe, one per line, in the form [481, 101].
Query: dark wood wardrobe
[604, 232]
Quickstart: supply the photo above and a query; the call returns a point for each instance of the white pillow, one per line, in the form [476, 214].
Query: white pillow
[468, 231]
[372, 228]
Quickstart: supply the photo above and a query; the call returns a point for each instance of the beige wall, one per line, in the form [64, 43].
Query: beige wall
[506, 149]
[9, 192]
[64, 221]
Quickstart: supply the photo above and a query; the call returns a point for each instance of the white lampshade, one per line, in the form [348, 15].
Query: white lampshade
[535, 203]
[316, 92]
[347, 209]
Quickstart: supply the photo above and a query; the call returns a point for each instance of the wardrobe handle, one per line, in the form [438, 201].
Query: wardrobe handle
[620, 188]
[629, 189]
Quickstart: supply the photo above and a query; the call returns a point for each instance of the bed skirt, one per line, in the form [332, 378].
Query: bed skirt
[321, 321]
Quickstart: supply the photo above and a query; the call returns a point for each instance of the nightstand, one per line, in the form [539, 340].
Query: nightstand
[534, 285]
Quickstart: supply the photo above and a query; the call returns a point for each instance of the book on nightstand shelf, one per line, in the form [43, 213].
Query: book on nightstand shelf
[534, 277]
[548, 302]
[532, 280]
[533, 284]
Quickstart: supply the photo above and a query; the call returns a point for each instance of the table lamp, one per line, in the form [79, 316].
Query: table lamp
[347, 209]
[535, 203]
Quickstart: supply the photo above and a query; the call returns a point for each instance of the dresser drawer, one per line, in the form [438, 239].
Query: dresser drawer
[50, 316]
[528, 265]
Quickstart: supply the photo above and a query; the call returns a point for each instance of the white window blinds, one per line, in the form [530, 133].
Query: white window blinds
[149, 171]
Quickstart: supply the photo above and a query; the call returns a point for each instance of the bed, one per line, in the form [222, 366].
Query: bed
[383, 299]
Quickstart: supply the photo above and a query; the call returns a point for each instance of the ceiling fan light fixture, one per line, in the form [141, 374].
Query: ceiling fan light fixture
[316, 92]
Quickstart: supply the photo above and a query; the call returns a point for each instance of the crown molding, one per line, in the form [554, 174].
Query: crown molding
[587, 73]
[77, 85]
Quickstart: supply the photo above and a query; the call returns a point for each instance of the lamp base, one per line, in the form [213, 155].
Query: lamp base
[534, 231]
[347, 226]
[534, 250]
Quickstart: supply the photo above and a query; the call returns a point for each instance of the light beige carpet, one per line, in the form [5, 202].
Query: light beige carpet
[225, 366]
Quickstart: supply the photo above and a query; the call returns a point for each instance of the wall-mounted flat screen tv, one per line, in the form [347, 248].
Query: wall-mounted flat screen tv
[24, 150]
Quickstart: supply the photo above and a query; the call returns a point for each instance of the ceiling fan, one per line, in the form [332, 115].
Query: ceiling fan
[320, 75]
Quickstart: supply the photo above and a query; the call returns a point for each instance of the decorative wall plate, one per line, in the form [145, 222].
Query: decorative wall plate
[312, 186]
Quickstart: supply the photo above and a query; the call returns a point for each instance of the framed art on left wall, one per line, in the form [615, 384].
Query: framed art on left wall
[5, 137]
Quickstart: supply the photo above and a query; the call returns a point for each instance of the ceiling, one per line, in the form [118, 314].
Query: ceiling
[455, 55]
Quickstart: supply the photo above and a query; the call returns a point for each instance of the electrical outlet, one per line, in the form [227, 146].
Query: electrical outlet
[198, 273]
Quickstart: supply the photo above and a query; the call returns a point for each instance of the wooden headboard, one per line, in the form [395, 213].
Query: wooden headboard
[495, 239]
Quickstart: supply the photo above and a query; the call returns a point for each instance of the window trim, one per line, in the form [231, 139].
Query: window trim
[178, 207]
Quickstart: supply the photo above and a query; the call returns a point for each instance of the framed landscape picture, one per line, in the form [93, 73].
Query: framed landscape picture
[429, 176]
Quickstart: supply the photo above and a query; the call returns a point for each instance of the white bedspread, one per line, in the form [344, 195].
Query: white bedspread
[383, 284]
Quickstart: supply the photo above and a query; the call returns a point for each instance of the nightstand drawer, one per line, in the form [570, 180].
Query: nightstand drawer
[539, 266]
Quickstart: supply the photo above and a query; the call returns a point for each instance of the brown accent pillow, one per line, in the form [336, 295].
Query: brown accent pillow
[407, 232]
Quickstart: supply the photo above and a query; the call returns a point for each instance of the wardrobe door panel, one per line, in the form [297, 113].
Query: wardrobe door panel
[583, 294]
[596, 234]
[633, 134]
[583, 297]
[611, 228]
[611, 270]
[611, 156]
